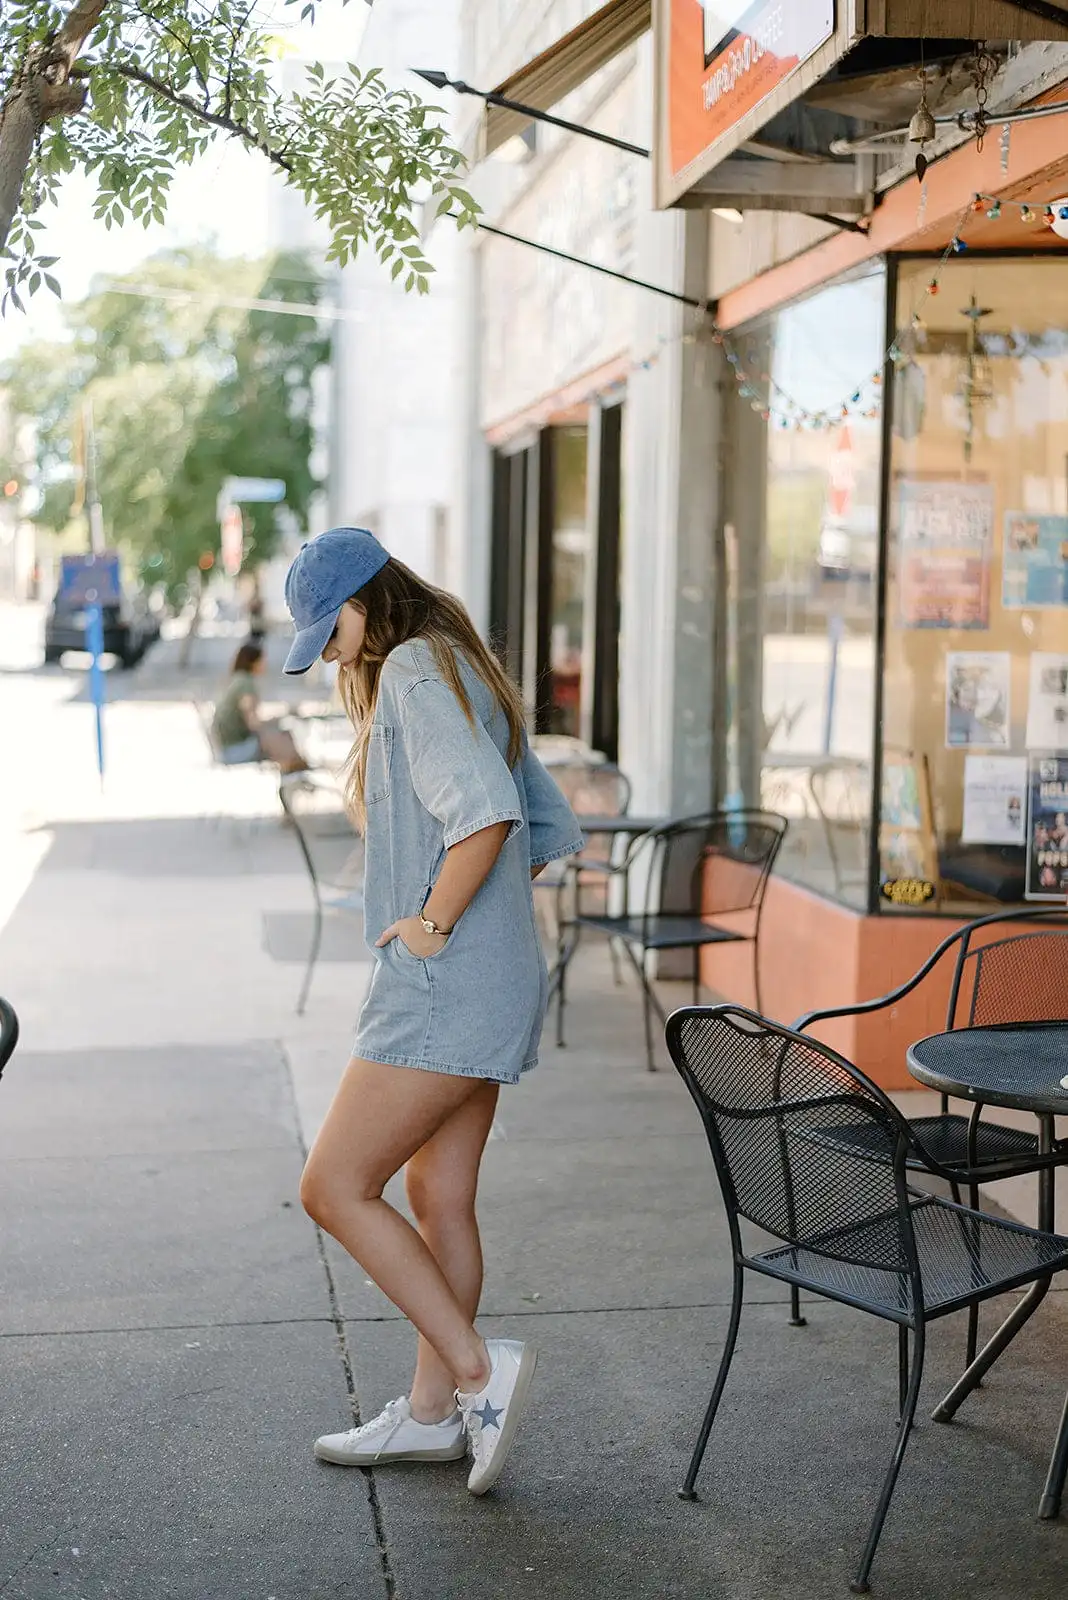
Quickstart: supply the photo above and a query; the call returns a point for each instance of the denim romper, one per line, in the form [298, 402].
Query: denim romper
[476, 1008]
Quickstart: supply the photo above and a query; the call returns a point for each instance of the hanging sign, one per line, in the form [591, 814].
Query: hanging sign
[719, 61]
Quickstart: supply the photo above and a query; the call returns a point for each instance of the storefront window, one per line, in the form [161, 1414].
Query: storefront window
[802, 558]
[975, 713]
[570, 558]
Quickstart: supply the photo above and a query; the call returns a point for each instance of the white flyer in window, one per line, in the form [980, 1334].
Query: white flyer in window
[995, 799]
[1047, 706]
[978, 687]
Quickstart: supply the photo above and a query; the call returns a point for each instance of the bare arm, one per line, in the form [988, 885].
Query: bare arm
[467, 866]
[249, 707]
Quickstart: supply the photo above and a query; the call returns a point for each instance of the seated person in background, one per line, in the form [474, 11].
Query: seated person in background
[239, 732]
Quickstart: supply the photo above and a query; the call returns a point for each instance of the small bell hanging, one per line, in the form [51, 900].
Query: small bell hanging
[922, 128]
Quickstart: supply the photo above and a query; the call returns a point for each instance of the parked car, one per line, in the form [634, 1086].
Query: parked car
[129, 627]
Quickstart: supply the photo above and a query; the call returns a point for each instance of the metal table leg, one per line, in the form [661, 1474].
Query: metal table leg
[1022, 1311]
[1050, 1504]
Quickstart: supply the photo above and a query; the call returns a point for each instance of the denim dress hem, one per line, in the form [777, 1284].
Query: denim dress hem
[448, 1068]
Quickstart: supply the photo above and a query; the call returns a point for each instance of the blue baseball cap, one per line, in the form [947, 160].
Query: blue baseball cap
[325, 573]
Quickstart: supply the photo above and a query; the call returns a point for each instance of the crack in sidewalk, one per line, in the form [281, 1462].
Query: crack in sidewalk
[337, 1318]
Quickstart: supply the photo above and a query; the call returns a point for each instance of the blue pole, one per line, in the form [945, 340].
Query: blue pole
[95, 640]
[834, 635]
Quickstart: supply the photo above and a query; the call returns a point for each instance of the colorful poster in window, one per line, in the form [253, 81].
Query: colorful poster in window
[944, 538]
[1035, 561]
[995, 799]
[978, 690]
[1047, 703]
[1047, 828]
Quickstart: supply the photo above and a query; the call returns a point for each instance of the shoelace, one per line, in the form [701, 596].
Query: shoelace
[388, 1417]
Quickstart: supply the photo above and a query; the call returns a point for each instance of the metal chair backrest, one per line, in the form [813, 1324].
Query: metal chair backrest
[205, 711]
[9, 1032]
[1020, 978]
[333, 851]
[715, 864]
[766, 1095]
[592, 789]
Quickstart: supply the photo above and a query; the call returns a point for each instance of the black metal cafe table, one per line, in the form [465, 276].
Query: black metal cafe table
[1024, 1066]
[610, 828]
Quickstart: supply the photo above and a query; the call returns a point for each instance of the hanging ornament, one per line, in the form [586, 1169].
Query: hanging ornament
[932, 287]
[977, 382]
[1003, 145]
[922, 127]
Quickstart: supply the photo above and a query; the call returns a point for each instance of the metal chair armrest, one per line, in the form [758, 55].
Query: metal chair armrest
[867, 1007]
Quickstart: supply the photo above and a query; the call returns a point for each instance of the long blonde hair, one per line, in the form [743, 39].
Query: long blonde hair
[399, 606]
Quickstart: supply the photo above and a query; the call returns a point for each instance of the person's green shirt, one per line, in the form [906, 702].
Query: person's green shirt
[230, 723]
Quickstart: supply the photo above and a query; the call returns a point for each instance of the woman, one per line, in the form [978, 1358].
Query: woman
[458, 815]
[240, 733]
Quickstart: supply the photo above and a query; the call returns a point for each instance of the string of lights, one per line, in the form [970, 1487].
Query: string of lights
[758, 386]
[778, 407]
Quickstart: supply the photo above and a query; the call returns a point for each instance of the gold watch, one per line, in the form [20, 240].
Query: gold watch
[430, 926]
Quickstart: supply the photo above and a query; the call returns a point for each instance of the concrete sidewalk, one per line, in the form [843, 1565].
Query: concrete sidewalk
[174, 1332]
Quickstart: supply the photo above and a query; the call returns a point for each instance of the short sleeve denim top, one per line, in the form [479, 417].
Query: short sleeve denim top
[433, 779]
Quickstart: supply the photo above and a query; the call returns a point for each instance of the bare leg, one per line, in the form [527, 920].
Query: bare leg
[279, 746]
[442, 1179]
[380, 1117]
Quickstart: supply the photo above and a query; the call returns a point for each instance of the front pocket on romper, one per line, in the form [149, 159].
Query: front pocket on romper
[379, 763]
[410, 955]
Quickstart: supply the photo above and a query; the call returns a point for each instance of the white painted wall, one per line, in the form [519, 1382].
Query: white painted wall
[395, 387]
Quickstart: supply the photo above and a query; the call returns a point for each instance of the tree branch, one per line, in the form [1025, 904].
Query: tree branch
[199, 114]
[44, 93]
[79, 25]
[183, 45]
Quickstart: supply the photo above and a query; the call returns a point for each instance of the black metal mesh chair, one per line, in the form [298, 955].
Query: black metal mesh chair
[592, 789]
[851, 1228]
[9, 1033]
[1022, 977]
[332, 850]
[705, 878]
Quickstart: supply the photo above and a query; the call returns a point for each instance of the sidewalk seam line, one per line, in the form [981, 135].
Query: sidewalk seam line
[338, 1320]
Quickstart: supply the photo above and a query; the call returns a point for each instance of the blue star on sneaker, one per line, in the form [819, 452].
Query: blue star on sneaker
[488, 1416]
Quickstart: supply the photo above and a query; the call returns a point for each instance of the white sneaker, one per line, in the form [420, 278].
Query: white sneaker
[394, 1435]
[492, 1416]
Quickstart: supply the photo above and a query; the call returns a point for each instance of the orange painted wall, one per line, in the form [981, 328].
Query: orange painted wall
[815, 954]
